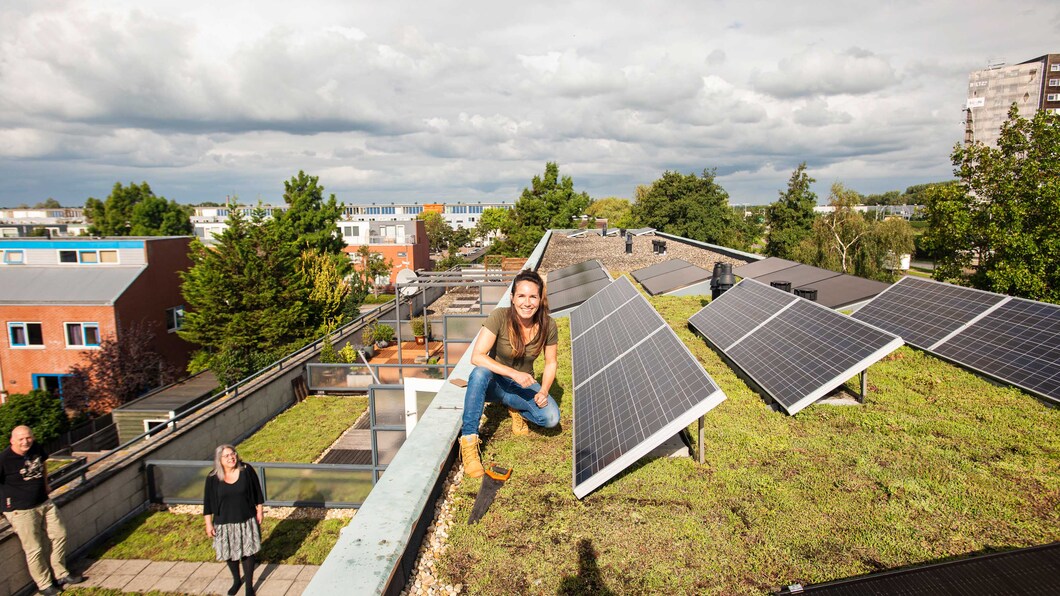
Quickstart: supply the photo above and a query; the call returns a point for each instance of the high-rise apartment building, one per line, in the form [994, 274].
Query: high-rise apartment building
[1032, 85]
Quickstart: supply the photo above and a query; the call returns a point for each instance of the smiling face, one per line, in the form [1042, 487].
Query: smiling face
[21, 439]
[526, 299]
[229, 459]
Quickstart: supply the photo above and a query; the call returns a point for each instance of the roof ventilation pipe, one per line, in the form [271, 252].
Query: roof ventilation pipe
[806, 293]
[783, 286]
[629, 243]
[722, 280]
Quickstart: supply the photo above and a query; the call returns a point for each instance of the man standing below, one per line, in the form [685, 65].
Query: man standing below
[32, 515]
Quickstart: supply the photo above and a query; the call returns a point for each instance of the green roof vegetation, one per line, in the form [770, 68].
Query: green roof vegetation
[938, 463]
[304, 431]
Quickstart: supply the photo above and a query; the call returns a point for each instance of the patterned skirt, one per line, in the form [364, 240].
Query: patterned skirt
[232, 542]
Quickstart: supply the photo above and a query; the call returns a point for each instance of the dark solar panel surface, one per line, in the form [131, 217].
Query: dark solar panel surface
[348, 456]
[638, 399]
[575, 268]
[574, 296]
[1032, 571]
[806, 351]
[798, 275]
[602, 344]
[602, 303]
[923, 312]
[763, 267]
[738, 311]
[574, 280]
[659, 269]
[668, 282]
[844, 290]
[1018, 342]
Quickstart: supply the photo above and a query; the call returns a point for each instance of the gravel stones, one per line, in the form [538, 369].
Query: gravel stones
[611, 251]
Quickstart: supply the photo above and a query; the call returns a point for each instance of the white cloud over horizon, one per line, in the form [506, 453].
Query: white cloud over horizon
[442, 101]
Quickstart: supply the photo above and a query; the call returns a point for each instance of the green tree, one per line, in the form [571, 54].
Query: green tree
[494, 219]
[1012, 195]
[617, 211]
[309, 220]
[135, 210]
[439, 232]
[369, 268]
[39, 410]
[695, 207]
[48, 203]
[884, 244]
[549, 202]
[838, 234]
[248, 303]
[791, 217]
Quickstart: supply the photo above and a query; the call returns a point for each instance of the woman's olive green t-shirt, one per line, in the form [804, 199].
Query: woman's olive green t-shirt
[497, 323]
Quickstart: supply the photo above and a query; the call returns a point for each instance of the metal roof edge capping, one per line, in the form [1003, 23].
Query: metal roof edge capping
[794, 350]
[1013, 340]
[635, 384]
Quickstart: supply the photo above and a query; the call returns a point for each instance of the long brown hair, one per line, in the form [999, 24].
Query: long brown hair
[515, 337]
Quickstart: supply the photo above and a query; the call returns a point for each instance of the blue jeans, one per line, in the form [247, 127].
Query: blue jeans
[486, 386]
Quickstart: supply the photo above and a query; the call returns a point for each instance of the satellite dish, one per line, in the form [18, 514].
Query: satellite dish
[405, 276]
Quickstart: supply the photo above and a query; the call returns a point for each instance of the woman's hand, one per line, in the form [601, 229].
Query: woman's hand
[210, 531]
[259, 515]
[541, 399]
[523, 379]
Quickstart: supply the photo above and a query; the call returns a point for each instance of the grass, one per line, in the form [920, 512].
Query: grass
[164, 536]
[304, 431]
[380, 299]
[937, 464]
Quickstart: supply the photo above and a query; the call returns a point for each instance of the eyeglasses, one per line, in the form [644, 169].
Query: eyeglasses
[228, 455]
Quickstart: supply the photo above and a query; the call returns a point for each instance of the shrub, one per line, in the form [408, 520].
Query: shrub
[39, 410]
[421, 327]
[348, 354]
[328, 355]
[383, 333]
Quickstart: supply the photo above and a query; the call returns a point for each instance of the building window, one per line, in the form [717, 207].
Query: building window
[82, 335]
[14, 257]
[388, 211]
[25, 335]
[174, 318]
[1052, 97]
[402, 255]
[351, 231]
[1054, 68]
[51, 383]
[413, 210]
[88, 257]
[1054, 82]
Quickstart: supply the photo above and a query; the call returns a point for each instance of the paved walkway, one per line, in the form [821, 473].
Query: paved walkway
[142, 575]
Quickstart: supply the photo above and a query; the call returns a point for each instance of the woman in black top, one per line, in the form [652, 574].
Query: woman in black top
[232, 505]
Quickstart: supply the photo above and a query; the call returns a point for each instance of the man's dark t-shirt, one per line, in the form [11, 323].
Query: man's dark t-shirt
[22, 479]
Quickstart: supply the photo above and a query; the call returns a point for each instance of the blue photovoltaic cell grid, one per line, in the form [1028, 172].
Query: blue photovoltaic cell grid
[1019, 342]
[738, 311]
[922, 312]
[807, 349]
[636, 397]
[602, 344]
[601, 304]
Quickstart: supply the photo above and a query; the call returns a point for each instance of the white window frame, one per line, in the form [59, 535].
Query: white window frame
[1052, 97]
[80, 252]
[83, 326]
[14, 251]
[175, 319]
[1054, 68]
[11, 326]
[1054, 82]
[161, 424]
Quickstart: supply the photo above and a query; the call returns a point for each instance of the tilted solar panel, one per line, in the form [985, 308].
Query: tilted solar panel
[575, 268]
[763, 267]
[806, 351]
[738, 311]
[659, 269]
[923, 311]
[575, 279]
[675, 280]
[635, 384]
[1018, 342]
[602, 303]
[569, 298]
[796, 351]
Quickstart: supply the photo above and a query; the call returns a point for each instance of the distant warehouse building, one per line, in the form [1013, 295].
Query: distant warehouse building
[59, 298]
[1032, 85]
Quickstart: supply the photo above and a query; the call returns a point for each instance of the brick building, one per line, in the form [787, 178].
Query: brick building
[403, 243]
[59, 298]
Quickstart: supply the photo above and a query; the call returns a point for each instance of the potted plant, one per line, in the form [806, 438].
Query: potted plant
[383, 335]
[421, 329]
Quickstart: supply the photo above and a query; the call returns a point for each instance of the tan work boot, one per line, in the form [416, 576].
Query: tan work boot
[469, 454]
[519, 427]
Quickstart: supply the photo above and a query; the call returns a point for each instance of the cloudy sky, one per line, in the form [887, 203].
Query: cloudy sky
[423, 101]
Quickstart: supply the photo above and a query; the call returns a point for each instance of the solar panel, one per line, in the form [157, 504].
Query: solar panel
[1010, 339]
[738, 311]
[635, 384]
[575, 279]
[798, 275]
[924, 311]
[575, 268]
[763, 267]
[659, 269]
[844, 290]
[1018, 342]
[1023, 572]
[796, 351]
[675, 280]
[601, 303]
[567, 299]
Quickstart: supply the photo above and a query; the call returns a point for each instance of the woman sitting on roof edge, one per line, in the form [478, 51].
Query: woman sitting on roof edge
[504, 354]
